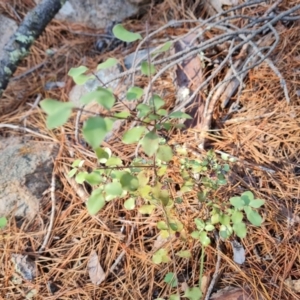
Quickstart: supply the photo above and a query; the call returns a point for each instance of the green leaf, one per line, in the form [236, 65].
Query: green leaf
[102, 96]
[78, 163]
[162, 171]
[129, 204]
[165, 153]
[204, 239]
[133, 135]
[95, 130]
[162, 112]
[58, 112]
[171, 279]
[143, 179]
[93, 178]
[122, 114]
[129, 182]
[247, 197]
[143, 109]
[195, 235]
[193, 293]
[147, 69]
[215, 218]
[225, 231]
[209, 227]
[157, 102]
[78, 75]
[74, 72]
[184, 253]
[101, 153]
[240, 229]
[237, 217]
[179, 115]
[253, 216]
[95, 202]
[134, 93]
[80, 177]
[174, 297]
[114, 161]
[164, 48]
[3, 222]
[160, 256]
[72, 172]
[199, 223]
[146, 209]
[113, 188]
[110, 62]
[162, 225]
[257, 203]
[150, 143]
[202, 196]
[237, 202]
[225, 220]
[124, 35]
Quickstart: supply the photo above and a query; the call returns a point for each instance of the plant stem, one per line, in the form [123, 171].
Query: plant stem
[201, 266]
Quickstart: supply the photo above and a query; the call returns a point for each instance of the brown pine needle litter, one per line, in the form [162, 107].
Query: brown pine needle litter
[264, 135]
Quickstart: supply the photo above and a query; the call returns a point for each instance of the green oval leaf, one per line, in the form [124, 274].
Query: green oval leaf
[184, 253]
[113, 189]
[237, 202]
[3, 222]
[80, 177]
[72, 172]
[253, 217]
[147, 69]
[102, 96]
[179, 115]
[157, 102]
[247, 197]
[160, 256]
[134, 93]
[150, 143]
[193, 293]
[110, 62]
[170, 279]
[58, 112]
[74, 72]
[129, 182]
[204, 239]
[257, 203]
[93, 178]
[237, 217]
[240, 229]
[95, 130]
[133, 135]
[124, 35]
[114, 161]
[165, 153]
[129, 204]
[146, 209]
[95, 202]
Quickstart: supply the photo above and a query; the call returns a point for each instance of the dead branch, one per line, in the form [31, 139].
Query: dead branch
[19, 44]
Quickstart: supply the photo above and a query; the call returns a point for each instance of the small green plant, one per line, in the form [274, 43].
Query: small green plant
[145, 177]
[3, 222]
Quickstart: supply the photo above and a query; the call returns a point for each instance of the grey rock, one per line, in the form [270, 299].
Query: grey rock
[26, 170]
[7, 29]
[99, 14]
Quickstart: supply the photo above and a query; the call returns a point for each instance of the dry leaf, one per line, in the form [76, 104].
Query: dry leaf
[231, 293]
[96, 272]
[217, 4]
[293, 284]
[238, 252]
[25, 266]
[204, 283]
